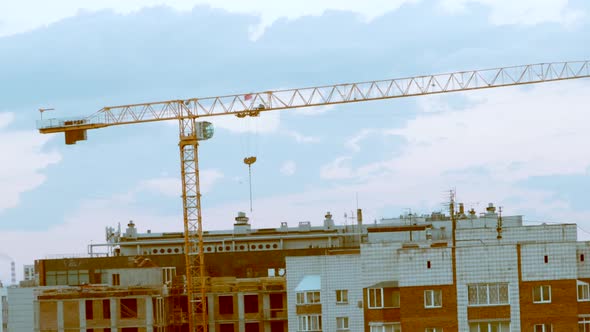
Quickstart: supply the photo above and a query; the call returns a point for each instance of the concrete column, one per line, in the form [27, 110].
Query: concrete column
[37, 311]
[149, 314]
[114, 314]
[60, 315]
[266, 311]
[211, 312]
[241, 315]
[82, 312]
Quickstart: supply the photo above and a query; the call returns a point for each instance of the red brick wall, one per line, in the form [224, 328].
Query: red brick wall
[414, 317]
[562, 312]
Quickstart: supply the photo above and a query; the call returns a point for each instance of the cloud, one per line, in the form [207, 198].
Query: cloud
[337, 169]
[299, 138]
[315, 110]
[484, 149]
[527, 12]
[288, 168]
[22, 162]
[17, 17]
[172, 186]
[353, 143]
[513, 133]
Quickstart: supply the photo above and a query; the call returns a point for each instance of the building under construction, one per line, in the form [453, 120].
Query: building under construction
[412, 273]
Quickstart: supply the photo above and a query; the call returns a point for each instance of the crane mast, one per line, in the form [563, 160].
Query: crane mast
[188, 111]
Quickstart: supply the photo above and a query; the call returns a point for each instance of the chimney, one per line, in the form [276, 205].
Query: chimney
[328, 221]
[359, 216]
[12, 273]
[461, 209]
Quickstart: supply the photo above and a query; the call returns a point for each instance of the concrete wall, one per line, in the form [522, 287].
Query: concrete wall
[20, 310]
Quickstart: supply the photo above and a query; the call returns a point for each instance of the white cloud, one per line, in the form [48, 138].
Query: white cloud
[353, 143]
[172, 186]
[505, 136]
[528, 12]
[17, 16]
[300, 138]
[337, 169]
[315, 110]
[23, 159]
[513, 133]
[288, 168]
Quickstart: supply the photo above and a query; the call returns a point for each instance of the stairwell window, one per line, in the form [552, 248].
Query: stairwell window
[542, 294]
[583, 291]
[432, 298]
[341, 296]
[342, 323]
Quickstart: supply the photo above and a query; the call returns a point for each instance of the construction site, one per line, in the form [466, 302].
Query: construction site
[451, 270]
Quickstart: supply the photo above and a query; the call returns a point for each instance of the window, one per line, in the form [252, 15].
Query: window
[116, 279]
[385, 327]
[489, 327]
[251, 303]
[432, 298]
[342, 296]
[308, 297]
[128, 308]
[310, 323]
[488, 294]
[342, 323]
[433, 329]
[106, 309]
[227, 327]
[383, 298]
[583, 291]
[584, 324]
[542, 294]
[168, 274]
[89, 311]
[226, 304]
[543, 328]
[252, 327]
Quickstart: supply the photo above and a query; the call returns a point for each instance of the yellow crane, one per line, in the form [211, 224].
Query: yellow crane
[187, 111]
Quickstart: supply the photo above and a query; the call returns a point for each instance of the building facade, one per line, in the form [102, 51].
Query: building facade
[432, 273]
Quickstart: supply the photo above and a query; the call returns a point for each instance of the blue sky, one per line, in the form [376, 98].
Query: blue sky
[521, 148]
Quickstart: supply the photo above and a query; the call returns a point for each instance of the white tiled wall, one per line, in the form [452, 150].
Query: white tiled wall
[487, 264]
[561, 264]
[413, 267]
[337, 272]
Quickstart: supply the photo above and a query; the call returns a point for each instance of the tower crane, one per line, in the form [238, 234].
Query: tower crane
[191, 131]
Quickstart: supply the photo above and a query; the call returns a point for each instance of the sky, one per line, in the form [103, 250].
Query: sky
[522, 148]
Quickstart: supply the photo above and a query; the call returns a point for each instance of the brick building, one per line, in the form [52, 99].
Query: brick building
[432, 273]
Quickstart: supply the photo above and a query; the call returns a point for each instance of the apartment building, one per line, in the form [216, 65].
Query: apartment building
[470, 273]
[407, 276]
